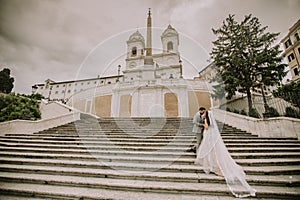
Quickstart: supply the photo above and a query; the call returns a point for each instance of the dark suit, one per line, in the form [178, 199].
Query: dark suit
[198, 128]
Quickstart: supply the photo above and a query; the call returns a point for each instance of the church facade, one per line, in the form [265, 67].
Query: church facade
[152, 85]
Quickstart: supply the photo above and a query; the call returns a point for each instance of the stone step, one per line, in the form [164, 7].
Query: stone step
[81, 142]
[235, 152]
[52, 149]
[14, 197]
[167, 165]
[271, 180]
[10, 157]
[183, 137]
[192, 177]
[70, 185]
[138, 128]
[296, 144]
[71, 193]
[134, 127]
[171, 146]
[98, 137]
[93, 137]
[130, 133]
[107, 142]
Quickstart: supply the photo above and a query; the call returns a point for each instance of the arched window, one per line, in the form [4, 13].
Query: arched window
[133, 51]
[170, 46]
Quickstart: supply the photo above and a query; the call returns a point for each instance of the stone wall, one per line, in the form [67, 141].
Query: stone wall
[272, 127]
[27, 127]
[53, 109]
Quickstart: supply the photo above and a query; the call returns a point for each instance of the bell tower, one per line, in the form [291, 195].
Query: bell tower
[135, 50]
[170, 40]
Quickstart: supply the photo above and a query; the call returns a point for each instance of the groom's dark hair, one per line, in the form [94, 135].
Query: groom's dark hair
[202, 108]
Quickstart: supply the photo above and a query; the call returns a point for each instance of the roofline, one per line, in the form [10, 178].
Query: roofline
[209, 65]
[73, 81]
[293, 27]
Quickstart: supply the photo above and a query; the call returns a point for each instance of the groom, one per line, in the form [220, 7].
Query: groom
[198, 128]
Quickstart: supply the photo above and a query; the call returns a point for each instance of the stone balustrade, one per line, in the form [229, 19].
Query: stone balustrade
[271, 127]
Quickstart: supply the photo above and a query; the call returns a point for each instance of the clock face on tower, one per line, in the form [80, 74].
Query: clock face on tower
[132, 64]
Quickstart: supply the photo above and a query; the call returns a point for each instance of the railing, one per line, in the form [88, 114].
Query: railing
[270, 107]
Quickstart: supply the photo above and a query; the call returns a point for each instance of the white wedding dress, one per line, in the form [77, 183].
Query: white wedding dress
[214, 157]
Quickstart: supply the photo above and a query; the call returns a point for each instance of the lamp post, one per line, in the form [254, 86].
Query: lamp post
[266, 114]
[180, 64]
[119, 67]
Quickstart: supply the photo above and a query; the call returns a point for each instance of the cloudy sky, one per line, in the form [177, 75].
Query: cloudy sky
[41, 39]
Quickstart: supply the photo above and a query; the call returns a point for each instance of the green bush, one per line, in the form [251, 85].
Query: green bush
[291, 112]
[253, 113]
[236, 111]
[228, 109]
[243, 112]
[18, 107]
[273, 112]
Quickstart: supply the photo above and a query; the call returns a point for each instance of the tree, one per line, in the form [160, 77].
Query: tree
[18, 107]
[6, 82]
[289, 92]
[241, 52]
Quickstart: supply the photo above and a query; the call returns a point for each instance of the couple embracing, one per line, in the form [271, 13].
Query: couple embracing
[214, 157]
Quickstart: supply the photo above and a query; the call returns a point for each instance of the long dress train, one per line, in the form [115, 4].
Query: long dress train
[214, 157]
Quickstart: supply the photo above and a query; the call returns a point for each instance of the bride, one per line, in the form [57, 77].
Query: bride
[214, 157]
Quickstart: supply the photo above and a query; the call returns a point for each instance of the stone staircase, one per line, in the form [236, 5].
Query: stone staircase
[138, 158]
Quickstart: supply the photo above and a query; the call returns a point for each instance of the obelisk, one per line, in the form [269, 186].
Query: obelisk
[148, 58]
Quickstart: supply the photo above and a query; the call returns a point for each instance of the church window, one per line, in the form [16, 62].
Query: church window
[63, 91]
[57, 86]
[41, 88]
[64, 85]
[102, 81]
[170, 46]
[81, 83]
[142, 51]
[109, 82]
[70, 84]
[133, 51]
[69, 91]
[95, 82]
[56, 92]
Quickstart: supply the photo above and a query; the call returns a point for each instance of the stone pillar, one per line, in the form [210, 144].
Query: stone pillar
[115, 103]
[183, 105]
[135, 103]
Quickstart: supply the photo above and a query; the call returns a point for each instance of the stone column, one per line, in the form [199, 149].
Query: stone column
[115, 102]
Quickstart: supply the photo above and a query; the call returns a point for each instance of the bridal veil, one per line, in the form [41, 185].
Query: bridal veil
[214, 157]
